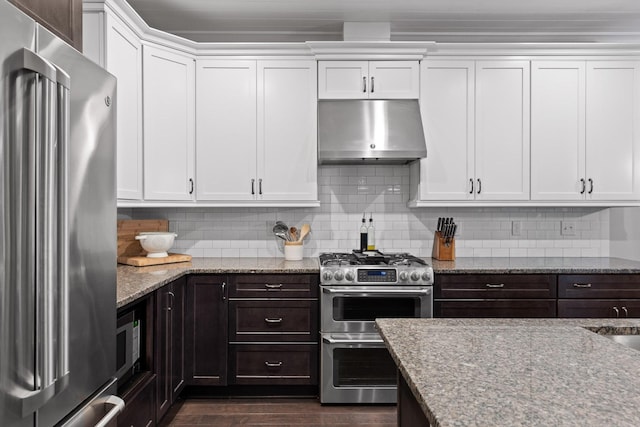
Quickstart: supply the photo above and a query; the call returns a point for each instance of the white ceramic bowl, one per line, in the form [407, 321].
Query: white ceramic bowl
[156, 243]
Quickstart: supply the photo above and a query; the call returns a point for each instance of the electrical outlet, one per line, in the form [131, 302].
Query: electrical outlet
[516, 228]
[568, 228]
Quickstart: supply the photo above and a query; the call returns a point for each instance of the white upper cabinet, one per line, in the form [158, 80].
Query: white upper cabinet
[557, 130]
[447, 107]
[256, 131]
[584, 131]
[110, 43]
[502, 130]
[612, 130]
[476, 120]
[368, 79]
[287, 131]
[226, 129]
[169, 143]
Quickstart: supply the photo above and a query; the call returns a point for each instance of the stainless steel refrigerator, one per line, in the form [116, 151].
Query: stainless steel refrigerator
[57, 231]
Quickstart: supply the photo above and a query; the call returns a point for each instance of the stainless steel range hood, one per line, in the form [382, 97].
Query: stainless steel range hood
[370, 132]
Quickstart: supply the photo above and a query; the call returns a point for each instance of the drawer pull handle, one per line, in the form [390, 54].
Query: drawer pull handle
[626, 312]
[276, 320]
[582, 285]
[273, 364]
[495, 285]
[617, 311]
[270, 287]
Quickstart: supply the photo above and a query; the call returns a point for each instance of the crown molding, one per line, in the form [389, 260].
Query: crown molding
[370, 49]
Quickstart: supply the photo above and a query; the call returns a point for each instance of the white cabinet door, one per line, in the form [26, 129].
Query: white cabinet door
[124, 61]
[287, 130]
[558, 130]
[613, 126]
[343, 79]
[226, 130]
[447, 106]
[502, 130]
[169, 103]
[394, 80]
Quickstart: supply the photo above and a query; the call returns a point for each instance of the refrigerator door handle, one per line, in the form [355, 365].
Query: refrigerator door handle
[63, 128]
[29, 60]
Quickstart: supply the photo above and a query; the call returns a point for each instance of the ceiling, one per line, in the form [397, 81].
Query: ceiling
[438, 20]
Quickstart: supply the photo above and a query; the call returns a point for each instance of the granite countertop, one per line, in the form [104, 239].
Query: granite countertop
[535, 266]
[136, 282]
[518, 372]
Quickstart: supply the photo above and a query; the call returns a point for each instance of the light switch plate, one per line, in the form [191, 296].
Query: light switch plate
[568, 228]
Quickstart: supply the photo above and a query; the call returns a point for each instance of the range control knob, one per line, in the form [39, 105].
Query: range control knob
[327, 276]
[350, 276]
[404, 276]
[338, 275]
[427, 277]
[415, 276]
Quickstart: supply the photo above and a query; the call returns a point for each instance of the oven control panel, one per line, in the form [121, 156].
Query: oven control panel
[383, 275]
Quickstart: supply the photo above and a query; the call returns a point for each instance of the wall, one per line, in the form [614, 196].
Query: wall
[625, 233]
[346, 192]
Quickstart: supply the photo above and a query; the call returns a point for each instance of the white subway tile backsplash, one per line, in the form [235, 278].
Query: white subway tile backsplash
[345, 192]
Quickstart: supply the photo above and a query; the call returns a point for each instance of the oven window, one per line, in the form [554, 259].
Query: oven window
[370, 308]
[363, 367]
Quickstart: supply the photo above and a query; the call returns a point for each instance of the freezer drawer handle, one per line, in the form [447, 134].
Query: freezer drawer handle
[118, 406]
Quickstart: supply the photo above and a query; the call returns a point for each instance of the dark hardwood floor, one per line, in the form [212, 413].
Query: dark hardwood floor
[276, 412]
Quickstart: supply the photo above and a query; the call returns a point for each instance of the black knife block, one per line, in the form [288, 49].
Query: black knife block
[443, 251]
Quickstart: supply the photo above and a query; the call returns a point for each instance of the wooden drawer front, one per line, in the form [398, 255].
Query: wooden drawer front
[520, 308]
[274, 364]
[289, 320]
[139, 410]
[495, 286]
[612, 308]
[274, 286]
[599, 286]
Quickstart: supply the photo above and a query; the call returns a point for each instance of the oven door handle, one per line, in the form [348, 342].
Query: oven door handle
[421, 292]
[352, 341]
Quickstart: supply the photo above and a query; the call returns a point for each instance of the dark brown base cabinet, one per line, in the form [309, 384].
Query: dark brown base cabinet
[206, 330]
[140, 407]
[169, 344]
[599, 295]
[483, 295]
[410, 414]
[273, 330]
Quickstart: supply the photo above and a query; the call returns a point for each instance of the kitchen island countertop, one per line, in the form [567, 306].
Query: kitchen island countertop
[136, 282]
[518, 372]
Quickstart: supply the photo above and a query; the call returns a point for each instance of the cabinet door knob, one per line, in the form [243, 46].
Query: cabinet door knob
[615, 309]
[364, 85]
[273, 364]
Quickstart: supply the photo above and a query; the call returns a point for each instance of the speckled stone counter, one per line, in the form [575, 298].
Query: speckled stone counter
[518, 372]
[136, 282]
[535, 265]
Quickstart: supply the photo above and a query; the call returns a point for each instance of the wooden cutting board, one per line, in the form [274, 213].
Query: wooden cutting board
[129, 250]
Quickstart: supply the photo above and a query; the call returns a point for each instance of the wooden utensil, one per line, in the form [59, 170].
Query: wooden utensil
[293, 233]
[304, 230]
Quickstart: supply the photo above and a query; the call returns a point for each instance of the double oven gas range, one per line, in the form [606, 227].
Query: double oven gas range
[357, 288]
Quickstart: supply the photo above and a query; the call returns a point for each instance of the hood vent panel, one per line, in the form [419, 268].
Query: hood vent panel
[370, 132]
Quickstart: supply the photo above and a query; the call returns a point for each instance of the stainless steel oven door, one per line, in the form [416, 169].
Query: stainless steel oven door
[353, 309]
[356, 368]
